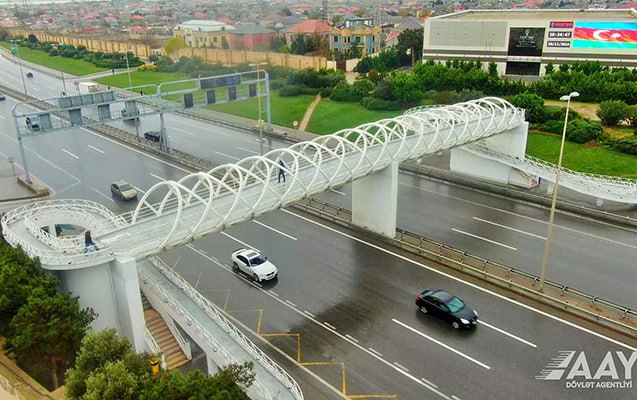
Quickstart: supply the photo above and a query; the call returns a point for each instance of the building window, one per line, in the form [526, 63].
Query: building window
[335, 39]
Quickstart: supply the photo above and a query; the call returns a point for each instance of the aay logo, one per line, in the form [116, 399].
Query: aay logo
[574, 369]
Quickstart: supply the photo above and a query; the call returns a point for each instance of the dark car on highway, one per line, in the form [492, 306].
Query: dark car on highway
[447, 307]
[2, 96]
[153, 136]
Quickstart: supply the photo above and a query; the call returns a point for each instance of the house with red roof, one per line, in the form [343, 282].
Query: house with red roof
[307, 28]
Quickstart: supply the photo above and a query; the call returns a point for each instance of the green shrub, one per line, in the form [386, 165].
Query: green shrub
[276, 84]
[290, 90]
[326, 92]
[372, 103]
[309, 90]
[611, 112]
[626, 145]
[345, 92]
[532, 104]
[581, 131]
[445, 97]
[555, 126]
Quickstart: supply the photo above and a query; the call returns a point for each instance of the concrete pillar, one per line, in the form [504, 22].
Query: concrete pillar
[128, 300]
[94, 286]
[374, 201]
[550, 187]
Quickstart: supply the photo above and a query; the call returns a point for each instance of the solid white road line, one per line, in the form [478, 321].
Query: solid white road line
[157, 177]
[416, 331]
[369, 351]
[239, 241]
[184, 131]
[502, 331]
[401, 367]
[378, 353]
[71, 154]
[274, 230]
[454, 397]
[227, 155]
[332, 327]
[429, 383]
[96, 149]
[472, 285]
[248, 150]
[485, 239]
[103, 195]
[509, 228]
[351, 338]
[338, 191]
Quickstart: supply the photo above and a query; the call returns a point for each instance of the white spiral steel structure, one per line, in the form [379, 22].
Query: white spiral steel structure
[202, 203]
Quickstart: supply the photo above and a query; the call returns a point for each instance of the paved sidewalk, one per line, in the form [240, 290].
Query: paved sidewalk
[13, 187]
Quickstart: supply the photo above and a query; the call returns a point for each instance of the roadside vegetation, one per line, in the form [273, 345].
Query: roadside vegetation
[69, 66]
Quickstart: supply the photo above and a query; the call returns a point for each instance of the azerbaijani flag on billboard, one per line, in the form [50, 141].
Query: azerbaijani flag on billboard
[605, 35]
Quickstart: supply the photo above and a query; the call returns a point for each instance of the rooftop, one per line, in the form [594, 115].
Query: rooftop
[205, 25]
[524, 14]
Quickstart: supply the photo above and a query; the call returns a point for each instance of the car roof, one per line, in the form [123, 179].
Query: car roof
[442, 295]
[120, 182]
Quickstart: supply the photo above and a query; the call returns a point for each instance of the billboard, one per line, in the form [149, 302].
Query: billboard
[605, 35]
[526, 41]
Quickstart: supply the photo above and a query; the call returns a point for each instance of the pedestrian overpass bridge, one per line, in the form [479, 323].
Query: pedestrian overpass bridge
[173, 213]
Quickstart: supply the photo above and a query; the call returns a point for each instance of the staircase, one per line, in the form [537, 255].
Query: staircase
[162, 335]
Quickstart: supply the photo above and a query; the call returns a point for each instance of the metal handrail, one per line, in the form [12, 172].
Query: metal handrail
[171, 302]
[213, 312]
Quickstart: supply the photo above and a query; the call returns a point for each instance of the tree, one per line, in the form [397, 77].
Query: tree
[405, 88]
[50, 329]
[153, 58]
[32, 38]
[96, 350]
[411, 39]
[612, 112]
[224, 43]
[174, 44]
[532, 104]
[19, 277]
[113, 382]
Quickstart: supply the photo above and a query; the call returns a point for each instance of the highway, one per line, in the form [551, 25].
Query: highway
[590, 255]
[344, 307]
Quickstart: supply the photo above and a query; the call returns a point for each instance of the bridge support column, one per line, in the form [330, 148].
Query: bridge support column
[112, 290]
[512, 142]
[374, 201]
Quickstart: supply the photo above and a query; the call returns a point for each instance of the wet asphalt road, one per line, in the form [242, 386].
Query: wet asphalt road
[345, 308]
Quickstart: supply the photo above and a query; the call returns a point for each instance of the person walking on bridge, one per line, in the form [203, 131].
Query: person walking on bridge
[281, 171]
[88, 242]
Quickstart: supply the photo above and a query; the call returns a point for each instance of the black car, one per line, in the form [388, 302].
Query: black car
[448, 307]
[29, 75]
[153, 136]
[2, 96]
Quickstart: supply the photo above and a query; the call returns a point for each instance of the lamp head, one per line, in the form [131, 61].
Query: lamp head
[569, 96]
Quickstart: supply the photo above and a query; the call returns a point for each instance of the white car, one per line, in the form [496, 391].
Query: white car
[254, 264]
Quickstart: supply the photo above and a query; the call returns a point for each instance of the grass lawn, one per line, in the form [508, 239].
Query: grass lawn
[139, 78]
[68, 65]
[285, 110]
[331, 116]
[582, 158]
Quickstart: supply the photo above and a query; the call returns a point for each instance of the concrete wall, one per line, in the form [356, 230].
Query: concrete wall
[233, 57]
[225, 57]
[107, 46]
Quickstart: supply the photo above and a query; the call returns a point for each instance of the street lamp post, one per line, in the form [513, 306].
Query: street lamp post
[259, 121]
[130, 84]
[64, 83]
[17, 51]
[549, 235]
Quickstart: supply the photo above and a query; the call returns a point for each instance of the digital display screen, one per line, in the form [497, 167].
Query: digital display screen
[526, 41]
[561, 24]
[605, 35]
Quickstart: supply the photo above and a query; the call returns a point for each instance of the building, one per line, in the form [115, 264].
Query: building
[204, 33]
[523, 42]
[367, 38]
[246, 37]
[307, 28]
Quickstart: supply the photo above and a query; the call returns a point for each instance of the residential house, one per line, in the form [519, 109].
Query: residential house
[204, 33]
[366, 38]
[407, 23]
[246, 37]
[307, 28]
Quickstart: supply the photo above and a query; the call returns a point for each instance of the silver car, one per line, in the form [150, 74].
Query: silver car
[123, 190]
